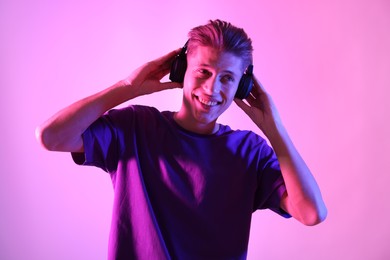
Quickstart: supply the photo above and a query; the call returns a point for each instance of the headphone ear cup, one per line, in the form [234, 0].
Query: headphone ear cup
[178, 69]
[244, 87]
[179, 66]
[246, 83]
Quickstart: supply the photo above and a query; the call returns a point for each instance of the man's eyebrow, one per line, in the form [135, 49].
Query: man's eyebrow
[208, 66]
[204, 65]
[230, 72]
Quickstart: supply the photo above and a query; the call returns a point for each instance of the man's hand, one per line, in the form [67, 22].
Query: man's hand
[147, 78]
[303, 198]
[260, 108]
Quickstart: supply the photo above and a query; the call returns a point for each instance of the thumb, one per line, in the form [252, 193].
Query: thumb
[171, 85]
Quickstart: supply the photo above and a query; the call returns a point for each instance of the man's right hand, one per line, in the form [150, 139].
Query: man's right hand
[147, 78]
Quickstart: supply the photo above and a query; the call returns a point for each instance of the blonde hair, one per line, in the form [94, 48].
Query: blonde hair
[222, 36]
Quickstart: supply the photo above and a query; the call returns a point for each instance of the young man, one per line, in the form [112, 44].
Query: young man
[185, 186]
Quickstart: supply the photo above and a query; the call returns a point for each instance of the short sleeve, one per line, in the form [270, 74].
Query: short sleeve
[270, 186]
[101, 144]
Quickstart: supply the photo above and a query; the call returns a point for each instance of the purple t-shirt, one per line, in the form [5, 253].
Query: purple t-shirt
[180, 195]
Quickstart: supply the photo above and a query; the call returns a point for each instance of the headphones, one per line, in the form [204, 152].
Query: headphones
[179, 67]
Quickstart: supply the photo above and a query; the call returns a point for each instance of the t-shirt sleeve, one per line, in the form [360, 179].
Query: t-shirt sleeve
[271, 187]
[102, 143]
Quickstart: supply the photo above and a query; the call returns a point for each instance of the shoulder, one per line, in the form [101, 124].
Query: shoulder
[130, 117]
[132, 113]
[251, 142]
[133, 109]
[245, 136]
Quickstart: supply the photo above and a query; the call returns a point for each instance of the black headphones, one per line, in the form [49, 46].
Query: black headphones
[179, 67]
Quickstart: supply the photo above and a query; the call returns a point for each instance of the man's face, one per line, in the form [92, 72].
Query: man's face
[210, 83]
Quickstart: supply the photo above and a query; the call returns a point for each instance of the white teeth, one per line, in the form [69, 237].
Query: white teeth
[208, 103]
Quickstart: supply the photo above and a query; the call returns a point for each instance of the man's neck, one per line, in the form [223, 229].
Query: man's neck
[198, 128]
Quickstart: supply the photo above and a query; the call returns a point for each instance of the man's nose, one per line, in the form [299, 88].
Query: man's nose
[212, 86]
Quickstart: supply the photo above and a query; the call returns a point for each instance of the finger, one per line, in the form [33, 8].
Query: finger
[161, 72]
[167, 58]
[258, 86]
[162, 65]
[253, 97]
[241, 104]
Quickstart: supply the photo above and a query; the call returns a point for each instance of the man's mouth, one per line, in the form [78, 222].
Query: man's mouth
[207, 102]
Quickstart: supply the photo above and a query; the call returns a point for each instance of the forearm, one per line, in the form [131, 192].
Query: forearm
[304, 200]
[63, 131]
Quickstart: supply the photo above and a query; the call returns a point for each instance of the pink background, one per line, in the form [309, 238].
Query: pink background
[326, 64]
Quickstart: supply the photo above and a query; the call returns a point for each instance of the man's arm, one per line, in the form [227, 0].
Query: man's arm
[63, 131]
[303, 198]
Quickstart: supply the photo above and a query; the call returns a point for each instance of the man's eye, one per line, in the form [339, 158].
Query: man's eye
[227, 79]
[203, 72]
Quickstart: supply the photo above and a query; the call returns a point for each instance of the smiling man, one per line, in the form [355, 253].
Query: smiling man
[185, 186]
[210, 84]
